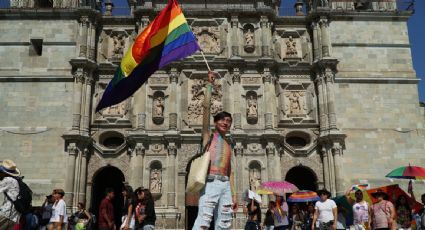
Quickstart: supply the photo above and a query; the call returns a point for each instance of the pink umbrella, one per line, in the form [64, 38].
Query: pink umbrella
[278, 187]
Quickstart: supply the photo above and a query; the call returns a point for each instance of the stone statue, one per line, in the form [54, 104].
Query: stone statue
[155, 181]
[158, 107]
[252, 107]
[296, 103]
[249, 38]
[119, 43]
[291, 48]
[254, 179]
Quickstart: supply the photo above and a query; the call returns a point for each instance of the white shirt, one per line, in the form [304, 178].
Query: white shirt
[59, 209]
[325, 210]
[11, 187]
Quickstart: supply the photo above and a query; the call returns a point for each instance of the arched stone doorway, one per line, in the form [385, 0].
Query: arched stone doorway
[303, 177]
[111, 177]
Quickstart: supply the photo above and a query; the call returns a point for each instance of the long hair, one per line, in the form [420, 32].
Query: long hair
[148, 196]
[399, 204]
[130, 195]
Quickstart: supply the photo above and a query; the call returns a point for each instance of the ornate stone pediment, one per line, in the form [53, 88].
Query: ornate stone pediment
[208, 39]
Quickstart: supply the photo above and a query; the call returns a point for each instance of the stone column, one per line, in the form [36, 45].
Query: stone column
[70, 173]
[172, 175]
[273, 166]
[331, 171]
[136, 165]
[141, 121]
[87, 103]
[315, 40]
[325, 167]
[83, 39]
[173, 99]
[83, 177]
[323, 117]
[329, 76]
[235, 37]
[239, 169]
[92, 43]
[236, 78]
[77, 97]
[268, 97]
[337, 152]
[265, 36]
[324, 27]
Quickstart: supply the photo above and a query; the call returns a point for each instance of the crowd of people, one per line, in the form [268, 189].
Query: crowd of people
[138, 212]
[326, 214]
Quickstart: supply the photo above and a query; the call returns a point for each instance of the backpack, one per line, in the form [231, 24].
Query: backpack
[23, 201]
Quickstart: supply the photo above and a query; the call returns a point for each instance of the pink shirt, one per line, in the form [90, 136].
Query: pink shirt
[381, 214]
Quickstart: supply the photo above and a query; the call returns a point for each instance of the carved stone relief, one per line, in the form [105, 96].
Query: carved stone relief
[295, 103]
[208, 38]
[119, 110]
[155, 184]
[197, 96]
[291, 48]
[118, 46]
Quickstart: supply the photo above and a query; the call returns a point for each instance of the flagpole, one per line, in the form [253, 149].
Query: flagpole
[206, 62]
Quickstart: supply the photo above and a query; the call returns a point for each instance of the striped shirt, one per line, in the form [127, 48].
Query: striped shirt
[221, 153]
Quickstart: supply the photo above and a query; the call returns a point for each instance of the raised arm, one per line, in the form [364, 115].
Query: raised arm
[207, 109]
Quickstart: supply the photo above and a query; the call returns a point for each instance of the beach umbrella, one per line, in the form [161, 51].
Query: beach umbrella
[303, 196]
[278, 187]
[408, 172]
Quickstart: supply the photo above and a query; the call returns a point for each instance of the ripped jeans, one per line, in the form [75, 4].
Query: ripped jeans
[215, 201]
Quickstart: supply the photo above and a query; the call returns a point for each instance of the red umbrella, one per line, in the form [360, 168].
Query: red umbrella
[278, 187]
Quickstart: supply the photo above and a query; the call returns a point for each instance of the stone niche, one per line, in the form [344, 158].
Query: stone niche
[297, 103]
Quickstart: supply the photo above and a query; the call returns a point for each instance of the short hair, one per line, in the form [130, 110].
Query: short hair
[108, 190]
[59, 191]
[221, 115]
[82, 205]
[423, 195]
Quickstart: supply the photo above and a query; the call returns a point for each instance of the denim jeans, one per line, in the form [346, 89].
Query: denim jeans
[215, 201]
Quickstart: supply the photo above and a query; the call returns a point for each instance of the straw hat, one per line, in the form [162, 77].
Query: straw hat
[9, 167]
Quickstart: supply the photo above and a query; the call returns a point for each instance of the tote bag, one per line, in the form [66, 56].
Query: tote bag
[198, 173]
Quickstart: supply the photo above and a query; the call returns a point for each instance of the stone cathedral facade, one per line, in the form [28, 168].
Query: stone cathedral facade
[324, 98]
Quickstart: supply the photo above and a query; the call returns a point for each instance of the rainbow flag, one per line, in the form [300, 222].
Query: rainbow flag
[166, 39]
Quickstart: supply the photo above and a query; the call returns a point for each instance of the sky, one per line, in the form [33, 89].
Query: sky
[417, 39]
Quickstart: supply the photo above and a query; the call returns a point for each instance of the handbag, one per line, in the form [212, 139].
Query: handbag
[198, 171]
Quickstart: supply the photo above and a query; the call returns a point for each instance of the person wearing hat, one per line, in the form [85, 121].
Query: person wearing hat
[325, 212]
[383, 212]
[8, 185]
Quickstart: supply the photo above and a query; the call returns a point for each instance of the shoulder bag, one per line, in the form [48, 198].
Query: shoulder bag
[199, 170]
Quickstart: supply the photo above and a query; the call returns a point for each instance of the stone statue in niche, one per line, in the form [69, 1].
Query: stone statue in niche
[249, 41]
[155, 181]
[291, 47]
[119, 43]
[158, 110]
[158, 107]
[254, 179]
[296, 102]
[252, 107]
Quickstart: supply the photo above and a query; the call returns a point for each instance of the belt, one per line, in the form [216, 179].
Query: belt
[217, 177]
